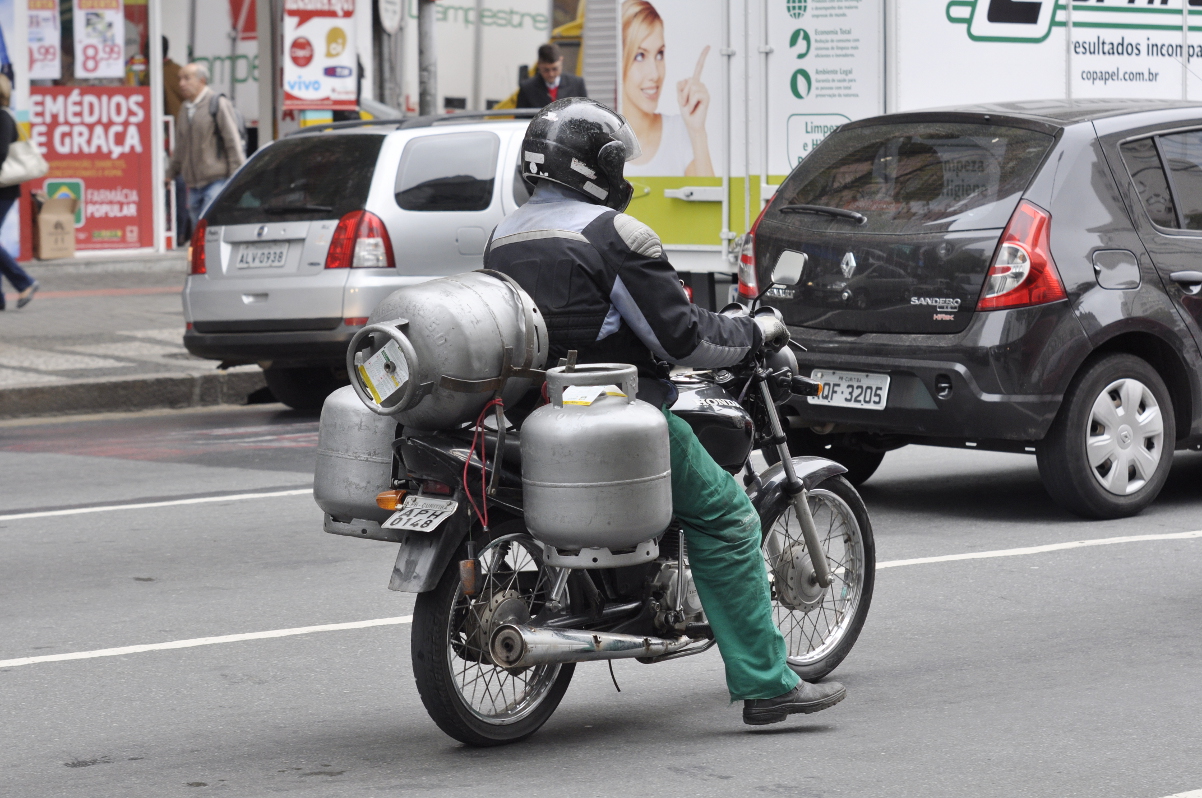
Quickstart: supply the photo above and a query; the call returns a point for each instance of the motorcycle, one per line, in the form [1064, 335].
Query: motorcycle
[497, 631]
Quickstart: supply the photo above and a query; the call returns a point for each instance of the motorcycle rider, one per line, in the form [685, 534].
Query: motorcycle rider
[605, 289]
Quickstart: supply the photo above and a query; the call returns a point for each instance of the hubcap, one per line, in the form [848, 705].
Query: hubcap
[1125, 438]
[796, 586]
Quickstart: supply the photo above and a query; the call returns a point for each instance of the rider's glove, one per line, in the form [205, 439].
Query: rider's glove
[772, 329]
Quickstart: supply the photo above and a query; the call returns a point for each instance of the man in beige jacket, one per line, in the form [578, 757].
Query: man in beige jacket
[208, 146]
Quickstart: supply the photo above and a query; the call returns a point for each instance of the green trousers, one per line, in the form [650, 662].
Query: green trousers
[722, 531]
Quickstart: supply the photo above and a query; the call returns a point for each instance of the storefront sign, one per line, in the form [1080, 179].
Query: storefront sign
[99, 39]
[97, 141]
[45, 33]
[320, 57]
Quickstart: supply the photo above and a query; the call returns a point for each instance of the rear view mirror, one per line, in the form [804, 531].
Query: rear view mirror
[789, 267]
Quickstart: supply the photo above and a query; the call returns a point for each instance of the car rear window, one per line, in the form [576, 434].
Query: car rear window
[452, 172]
[300, 179]
[917, 177]
[1143, 162]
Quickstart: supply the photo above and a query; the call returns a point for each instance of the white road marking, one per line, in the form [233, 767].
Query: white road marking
[145, 505]
[205, 641]
[1190, 794]
[1076, 544]
[335, 627]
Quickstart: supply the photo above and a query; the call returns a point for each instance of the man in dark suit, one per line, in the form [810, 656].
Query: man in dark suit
[551, 83]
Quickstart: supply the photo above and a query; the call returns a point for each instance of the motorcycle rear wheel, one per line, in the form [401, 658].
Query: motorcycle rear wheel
[469, 698]
[821, 630]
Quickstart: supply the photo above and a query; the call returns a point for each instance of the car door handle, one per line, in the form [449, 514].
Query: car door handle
[1190, 281]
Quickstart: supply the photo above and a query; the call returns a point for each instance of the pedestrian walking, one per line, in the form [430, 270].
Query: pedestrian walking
[26, 286]
[550, 84]
[208, 145]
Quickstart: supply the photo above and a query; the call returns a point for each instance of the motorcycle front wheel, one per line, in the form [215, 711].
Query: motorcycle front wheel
[820, 626]
[469, 698]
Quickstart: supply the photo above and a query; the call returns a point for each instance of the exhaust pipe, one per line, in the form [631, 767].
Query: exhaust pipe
[516, 646]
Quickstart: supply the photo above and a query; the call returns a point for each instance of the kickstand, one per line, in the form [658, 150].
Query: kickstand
[611, 675]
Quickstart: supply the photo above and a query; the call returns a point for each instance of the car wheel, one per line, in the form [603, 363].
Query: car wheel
[304, 388]
[1109, 450]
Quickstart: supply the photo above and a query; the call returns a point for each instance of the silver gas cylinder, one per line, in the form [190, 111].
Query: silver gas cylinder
[596, 469]
[354, 463]
[434, 353]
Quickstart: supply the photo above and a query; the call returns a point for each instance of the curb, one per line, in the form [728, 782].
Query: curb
[166, 262]
[131, 393]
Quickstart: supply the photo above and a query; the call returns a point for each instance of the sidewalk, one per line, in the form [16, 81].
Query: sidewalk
[105, 336]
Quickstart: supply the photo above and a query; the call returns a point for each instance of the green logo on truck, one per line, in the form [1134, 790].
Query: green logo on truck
[1031, 21]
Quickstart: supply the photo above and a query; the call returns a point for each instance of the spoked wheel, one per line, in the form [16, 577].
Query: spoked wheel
[469, 697]
[820, 626]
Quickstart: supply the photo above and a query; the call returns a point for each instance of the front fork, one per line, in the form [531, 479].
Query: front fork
[797, 491]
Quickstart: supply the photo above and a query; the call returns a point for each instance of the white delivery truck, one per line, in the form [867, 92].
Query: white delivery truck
[728, 95]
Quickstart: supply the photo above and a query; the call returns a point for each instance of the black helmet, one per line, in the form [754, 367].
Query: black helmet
[581, 144]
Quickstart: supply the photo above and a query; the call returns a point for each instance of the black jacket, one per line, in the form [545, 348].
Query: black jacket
[532, 93]
[605, 288]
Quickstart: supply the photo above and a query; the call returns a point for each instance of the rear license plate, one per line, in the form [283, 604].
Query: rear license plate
[851, 389]
[419, 514]
[259, 256]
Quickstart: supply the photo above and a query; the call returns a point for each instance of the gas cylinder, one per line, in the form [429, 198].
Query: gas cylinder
[596, 469]
[433, 354]
[354, 458]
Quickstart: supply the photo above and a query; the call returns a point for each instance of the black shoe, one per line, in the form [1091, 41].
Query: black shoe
[804, 698]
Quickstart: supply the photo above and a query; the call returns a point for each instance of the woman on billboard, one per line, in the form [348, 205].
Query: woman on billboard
[673, 144]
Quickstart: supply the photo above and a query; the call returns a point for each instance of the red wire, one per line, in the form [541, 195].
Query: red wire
[478, 435]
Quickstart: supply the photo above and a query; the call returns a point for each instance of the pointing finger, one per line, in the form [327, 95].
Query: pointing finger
[701, 63]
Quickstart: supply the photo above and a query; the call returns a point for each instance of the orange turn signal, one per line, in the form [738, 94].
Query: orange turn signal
[390, 499]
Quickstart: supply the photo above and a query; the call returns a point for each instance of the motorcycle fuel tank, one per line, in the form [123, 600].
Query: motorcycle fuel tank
[724, 428]
[596, 469]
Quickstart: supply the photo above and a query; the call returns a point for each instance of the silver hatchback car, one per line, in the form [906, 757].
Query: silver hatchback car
[317, 228]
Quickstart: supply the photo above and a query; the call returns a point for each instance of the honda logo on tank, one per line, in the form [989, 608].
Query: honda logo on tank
[320, 55]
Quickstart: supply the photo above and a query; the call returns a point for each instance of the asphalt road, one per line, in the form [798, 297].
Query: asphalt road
[1071, 672]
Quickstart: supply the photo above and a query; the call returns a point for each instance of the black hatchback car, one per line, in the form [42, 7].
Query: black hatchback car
[1018, 277]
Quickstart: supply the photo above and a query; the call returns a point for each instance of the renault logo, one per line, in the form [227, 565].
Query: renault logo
[848, 265]
[262, 229]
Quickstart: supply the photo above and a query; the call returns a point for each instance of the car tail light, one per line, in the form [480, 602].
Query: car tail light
[1023, 272]
[749, 284]
[355, 321]
[360, 240]
[196, 250]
